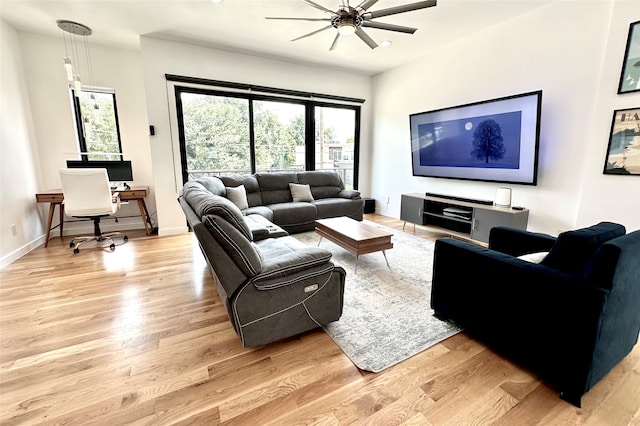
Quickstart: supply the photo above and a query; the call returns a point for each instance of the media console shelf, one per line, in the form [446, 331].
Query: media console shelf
[463, 217]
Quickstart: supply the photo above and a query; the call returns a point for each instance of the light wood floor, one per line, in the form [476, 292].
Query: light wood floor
[139, 336]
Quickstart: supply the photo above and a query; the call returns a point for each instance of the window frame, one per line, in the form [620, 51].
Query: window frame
[79, 127]
[310, 124]
[311, 160]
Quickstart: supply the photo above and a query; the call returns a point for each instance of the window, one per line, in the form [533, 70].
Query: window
[216, 135]
[229, 133]
[279, 135]
[335, 153]
[96, 117]
[334, 144]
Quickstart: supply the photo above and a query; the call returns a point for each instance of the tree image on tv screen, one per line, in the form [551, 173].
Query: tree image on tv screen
[488, 143]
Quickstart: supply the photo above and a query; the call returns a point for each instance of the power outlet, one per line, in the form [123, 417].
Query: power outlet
[14, 230]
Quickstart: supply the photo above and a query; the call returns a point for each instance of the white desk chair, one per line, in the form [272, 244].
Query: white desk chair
[87, 194]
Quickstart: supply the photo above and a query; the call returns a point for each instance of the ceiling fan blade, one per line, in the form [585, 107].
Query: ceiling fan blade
[364, 37]
[335, 42]
[313, 32]
[389, 27]
[399, 9]
[319, 7]
[366, 4]
[298, 19]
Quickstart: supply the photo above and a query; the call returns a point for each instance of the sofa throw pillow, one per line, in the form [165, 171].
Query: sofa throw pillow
[349, 194]
[573, 249]
[534, 257]
[300, 192]
[238, 196]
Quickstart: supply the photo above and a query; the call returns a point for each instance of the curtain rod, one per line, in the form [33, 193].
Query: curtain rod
[254, 88]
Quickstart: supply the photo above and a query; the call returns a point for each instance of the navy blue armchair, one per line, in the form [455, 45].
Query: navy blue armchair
[569, 318]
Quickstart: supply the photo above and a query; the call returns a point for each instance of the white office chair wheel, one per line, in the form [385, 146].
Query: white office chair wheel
[126, 238]
[112, 247]
[72, 244]
[76, 250]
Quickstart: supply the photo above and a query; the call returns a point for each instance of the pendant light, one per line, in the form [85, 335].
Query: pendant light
[71, 32]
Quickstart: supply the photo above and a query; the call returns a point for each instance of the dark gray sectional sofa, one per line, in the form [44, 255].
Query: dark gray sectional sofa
[272, 285]
[269, 195]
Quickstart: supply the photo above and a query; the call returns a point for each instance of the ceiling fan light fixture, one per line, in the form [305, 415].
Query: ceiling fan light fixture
[346, 28]
[348, 20]
[385, 43]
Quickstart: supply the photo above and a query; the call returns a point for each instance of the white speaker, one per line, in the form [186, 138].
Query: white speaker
[503, 197]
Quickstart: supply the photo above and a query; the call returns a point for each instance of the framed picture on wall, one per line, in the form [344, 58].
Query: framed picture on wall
[630, 75]
[623, 153]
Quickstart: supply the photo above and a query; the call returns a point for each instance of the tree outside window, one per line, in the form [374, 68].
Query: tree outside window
[279, 136]
[216, 134]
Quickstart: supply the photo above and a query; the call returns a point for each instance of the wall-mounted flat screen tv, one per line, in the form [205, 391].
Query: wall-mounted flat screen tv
[495, 140]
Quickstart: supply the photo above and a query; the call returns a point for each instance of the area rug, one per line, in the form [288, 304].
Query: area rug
[387, 316]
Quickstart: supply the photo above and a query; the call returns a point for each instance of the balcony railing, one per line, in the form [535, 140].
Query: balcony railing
[194, 174]
[343, 168]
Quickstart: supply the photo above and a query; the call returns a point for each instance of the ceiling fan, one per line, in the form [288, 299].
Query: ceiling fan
[350, 20]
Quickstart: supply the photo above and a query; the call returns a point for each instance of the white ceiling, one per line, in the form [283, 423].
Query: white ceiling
[239, 25]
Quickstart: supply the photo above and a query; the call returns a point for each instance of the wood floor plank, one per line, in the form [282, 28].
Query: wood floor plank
[139, 336]
[532, 409]
[459, 388]
[362, 398]
[413, 402]
[334, 373]
[486, 409]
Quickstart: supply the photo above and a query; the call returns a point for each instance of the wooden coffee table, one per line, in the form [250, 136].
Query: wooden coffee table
[355, 237]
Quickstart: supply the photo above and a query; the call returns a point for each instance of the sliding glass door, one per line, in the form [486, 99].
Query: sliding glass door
[335, 130]
[235, 133]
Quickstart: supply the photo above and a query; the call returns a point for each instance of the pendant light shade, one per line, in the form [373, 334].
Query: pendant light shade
[77, 84]
[69, 69]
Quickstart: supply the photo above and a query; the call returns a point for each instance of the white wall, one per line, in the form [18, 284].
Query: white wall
[546, 49]
[162, 57]
[54, 124]
[19, 163]
[607, 197]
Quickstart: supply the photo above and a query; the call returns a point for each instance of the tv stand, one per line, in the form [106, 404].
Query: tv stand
[457, 216]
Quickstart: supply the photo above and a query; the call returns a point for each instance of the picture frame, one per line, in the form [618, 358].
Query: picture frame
[623, 151]
[630, 74]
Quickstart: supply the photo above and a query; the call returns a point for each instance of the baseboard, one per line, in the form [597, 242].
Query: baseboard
[17, 254]
[165, 232]
[387, 213]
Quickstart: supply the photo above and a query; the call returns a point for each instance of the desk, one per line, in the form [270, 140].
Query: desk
[55, 198]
